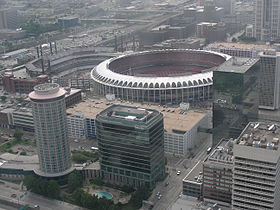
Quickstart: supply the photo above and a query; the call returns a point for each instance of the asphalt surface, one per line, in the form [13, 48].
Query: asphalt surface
[171, 192]
[6, 207]
[12, 192]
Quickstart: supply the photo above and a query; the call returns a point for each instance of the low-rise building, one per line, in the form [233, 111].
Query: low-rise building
[23, 119]
[217, 174]
[238, 49]
[6, 117]
[181, 130]
[20, 82]
[76, 126]
[181, 127]
[188, 43]
[192, 183]
[211, 31]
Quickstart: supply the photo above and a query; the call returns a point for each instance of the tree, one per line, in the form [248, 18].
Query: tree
[28, 181]
[3, 98]
[142, 193]
[42, 186]
[19, 100]
[53, 189]
[75, 180]
[77, 196]
[97, 181]
[79, 158]
[18, 135]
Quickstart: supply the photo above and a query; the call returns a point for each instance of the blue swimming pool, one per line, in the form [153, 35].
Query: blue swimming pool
[104, 195]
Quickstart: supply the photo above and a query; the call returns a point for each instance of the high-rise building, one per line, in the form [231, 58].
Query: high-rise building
[256, 180]
[270, 80]
[267, 20]
[235, 95]
[8, 18]
[49, 113]
[130, 141]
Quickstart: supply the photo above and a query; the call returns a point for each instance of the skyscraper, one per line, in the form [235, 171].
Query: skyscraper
[130, 141]
[270, 80]
[236, 98]
[267, 20]
[49, 113]
[256, 180]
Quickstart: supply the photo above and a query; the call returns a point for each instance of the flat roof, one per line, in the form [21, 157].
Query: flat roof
[222, 153]
[182, 122]
[46, 91]
[194, 174]
[269, 53]
[260, 135]
[129, 114]
[237, 65]
[239, 45]
[20, 162]
[173, 120]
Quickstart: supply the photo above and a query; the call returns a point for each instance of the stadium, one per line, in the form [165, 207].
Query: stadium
[162, 76]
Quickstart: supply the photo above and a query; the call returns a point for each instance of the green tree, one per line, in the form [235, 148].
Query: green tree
[18, 135]
[53, 189]
[3, 98]
[77, 196]
[97, 181]
[19, 100]
[142, 193]
[42, 186]
[75, 180]
[28, 181]
[79, 158]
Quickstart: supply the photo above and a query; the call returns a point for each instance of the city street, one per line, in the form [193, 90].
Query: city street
[171, 192]
[12, 192]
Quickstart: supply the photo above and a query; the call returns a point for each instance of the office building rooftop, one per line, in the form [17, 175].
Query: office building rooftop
[222, 153]
[260, 135]
[129, 114]
[175, 120]
[237, 65]
[239, 45]
[195, 175]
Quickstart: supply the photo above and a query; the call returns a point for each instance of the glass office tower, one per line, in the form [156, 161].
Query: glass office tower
[235, 95]
[130, 141]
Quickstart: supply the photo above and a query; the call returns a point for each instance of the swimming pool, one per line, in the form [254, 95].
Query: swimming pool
[104, 195]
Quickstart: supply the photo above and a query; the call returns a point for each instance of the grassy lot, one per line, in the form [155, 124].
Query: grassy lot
[83, 156]
[7, 147]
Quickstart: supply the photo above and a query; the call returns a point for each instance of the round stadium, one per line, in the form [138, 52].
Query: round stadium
[161, 76]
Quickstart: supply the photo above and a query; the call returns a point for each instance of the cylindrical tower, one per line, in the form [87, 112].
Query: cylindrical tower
[49, 113]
